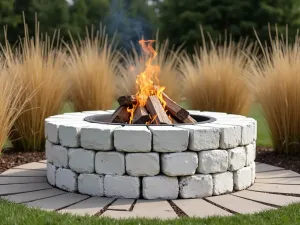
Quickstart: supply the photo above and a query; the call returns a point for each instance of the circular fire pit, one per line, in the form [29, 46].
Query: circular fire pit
[89, 155]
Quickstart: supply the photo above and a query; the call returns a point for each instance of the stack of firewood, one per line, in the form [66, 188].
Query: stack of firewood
[152, 113]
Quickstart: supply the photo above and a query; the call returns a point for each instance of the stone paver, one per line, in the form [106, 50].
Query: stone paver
[200, 208]
[262, 167]
[57, 202]
[27, 185]
[7, 189]
[276, 174]
[238, 205]
[121, 204]
[276, 188]
[32, 166]
[285, 180]
[22, 180]
[23, 173]
[33, 195]
[90, 206]
[274, 199]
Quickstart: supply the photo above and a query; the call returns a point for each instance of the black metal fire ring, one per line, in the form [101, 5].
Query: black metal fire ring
[104, 119]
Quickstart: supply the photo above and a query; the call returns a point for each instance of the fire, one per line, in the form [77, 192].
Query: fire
[147, 82]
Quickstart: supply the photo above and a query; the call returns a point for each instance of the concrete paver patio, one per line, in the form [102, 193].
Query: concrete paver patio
[27, 184]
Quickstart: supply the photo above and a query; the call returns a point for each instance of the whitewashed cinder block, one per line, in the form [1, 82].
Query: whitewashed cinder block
[230, 135]
[223, 183]
[51, 130]
[60, 156]
[202, 138]
[121, 186]
[66, 179]
[98, 137]
[179, 164]
[51, 173]
[142, 164]
[237, 158]
[253, 173]
[250, 153]
[242, 178]
[213, 161]
[196, 186]
[133, 139]
[91, 184]
[69, 134]
[247, 128]
[81, 160]
[110, 163]
[48, 150]
[160, 187]
[169, 139]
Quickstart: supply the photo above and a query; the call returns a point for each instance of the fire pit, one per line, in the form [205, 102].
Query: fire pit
[150, 147]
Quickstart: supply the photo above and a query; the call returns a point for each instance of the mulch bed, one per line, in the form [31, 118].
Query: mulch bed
[11, 158]
[268, 156]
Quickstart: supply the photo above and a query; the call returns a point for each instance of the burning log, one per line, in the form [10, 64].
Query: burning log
[176, 110]
[155, 108]
[141, 115]
[190, 119]
[121, 115]
[128, 100]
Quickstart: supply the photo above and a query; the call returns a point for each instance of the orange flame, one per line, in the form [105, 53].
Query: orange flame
[147, 82]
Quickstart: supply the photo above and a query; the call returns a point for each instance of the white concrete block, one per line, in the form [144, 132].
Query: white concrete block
[237, 158]
[51, 173]
[202, 138]
[60, 156]
[213, 161]
[247, 128]
[81, 160]
[121, 186]
[110, 163]
[91, 184]
[160, 187]
[223, 183]
[98, 137]
[169, 139]
[179, 164]
[242, 178]
[51, 130]
[48, 150]
[142, 164]
[133, 139]
[230, 135]
[196, 186]
[250, 153]
[66, 179]
[253, 173]
[69, 134]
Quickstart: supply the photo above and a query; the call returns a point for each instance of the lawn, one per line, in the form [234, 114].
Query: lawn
[11, 213]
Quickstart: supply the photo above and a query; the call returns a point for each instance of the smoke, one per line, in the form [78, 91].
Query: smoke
[129, 29]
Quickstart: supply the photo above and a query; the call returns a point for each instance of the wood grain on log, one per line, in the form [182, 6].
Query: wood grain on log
[176, 110]
[155, 108]
[127, 100]
[190, 119]
[120, 115]
[141, 116]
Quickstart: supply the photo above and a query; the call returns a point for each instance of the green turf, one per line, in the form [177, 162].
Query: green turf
[17, 214]
[263, 135]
